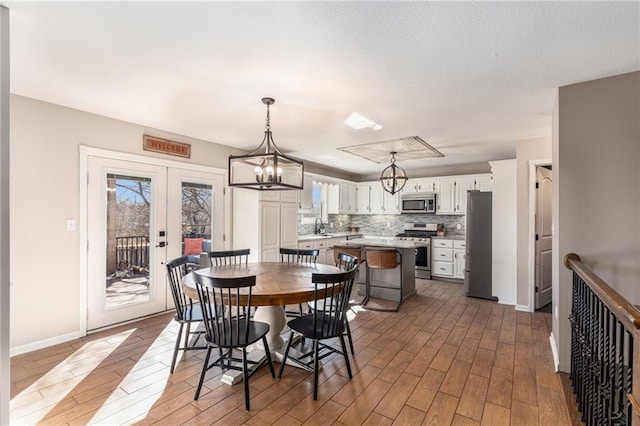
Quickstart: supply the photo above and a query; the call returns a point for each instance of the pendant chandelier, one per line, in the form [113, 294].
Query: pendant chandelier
[393, 178]
[266, 168]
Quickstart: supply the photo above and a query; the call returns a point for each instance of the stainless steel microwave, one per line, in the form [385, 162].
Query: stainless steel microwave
[418, 202]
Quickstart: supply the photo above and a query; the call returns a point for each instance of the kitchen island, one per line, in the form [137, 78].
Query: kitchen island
[388, 277]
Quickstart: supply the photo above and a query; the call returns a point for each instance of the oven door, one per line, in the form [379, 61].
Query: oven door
[423, 262]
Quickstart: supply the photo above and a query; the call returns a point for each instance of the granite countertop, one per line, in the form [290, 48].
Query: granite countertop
[381, 242]
[451, 237]
[327, 235]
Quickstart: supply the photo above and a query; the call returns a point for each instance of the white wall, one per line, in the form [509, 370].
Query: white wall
[45, 140]
[503, 269]
[596, 163]
[526, 151]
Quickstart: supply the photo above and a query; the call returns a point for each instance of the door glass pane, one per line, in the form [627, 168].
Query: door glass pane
[128, 218]
[197, 206]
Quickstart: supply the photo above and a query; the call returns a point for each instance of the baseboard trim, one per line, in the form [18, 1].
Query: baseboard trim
[524, 308]
[41, 344]
[554, 351]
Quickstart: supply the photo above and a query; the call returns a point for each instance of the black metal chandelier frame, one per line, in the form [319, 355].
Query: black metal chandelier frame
[393, 178]
[269, 164]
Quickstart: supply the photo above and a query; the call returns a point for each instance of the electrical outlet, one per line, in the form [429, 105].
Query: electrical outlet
[71, 225]
[330, 224]
[458, 226]
[388, 225]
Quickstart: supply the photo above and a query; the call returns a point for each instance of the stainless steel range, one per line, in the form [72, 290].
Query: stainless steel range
[420, 234]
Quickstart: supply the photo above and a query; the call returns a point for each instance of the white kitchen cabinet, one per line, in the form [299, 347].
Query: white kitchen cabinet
[445, 196]
[290, 196]
[484, 183]
[306, 195]
[392, 203]
[451, 193]
[348, 197]
[463, 185]
[286, 196]
[377, 198]
[448, 258]
[263, 226]
[373, 199]
[420, 185]
[458, 259]
[333, 199]
[363, 198]
[269, 230]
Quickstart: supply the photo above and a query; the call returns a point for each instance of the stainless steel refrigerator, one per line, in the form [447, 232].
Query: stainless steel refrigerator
[477, 270]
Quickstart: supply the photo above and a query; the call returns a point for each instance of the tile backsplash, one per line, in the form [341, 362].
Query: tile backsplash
[386, 225]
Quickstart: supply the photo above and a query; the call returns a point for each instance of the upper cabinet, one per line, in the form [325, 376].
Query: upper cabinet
[306, 196]
[445, 198]
[420, 185]
[452, 191]
[484, 183]
[363, 198]
[348, 198]
[373, 199]
[285, 196]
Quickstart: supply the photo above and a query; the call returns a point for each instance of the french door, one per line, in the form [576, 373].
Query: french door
[138, 216]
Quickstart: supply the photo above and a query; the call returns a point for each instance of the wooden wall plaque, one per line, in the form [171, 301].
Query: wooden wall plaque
[165, 146]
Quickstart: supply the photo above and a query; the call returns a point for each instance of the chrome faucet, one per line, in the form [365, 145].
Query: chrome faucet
[319, 229]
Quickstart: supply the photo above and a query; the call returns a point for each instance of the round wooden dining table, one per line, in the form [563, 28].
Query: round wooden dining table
[277, 284]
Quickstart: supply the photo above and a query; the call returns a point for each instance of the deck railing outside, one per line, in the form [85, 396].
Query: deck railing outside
[132, 251]
[605, 350]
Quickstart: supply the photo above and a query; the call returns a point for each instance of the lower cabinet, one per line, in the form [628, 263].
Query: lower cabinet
[459, 249]
[447, 258]
[324, 245]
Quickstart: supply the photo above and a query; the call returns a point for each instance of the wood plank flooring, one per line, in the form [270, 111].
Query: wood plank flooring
[444, 359]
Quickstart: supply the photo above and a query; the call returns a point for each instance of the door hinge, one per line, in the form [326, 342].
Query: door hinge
[224, 191]
[536, 289]
[224, 237]
[537, 185]
[537, 237]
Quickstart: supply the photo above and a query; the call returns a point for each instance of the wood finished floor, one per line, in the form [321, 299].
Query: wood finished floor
[444, 359]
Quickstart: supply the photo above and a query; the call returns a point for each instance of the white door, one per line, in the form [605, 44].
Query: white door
[195, 210]
[125, 254]
[543, 237]
[139, 216]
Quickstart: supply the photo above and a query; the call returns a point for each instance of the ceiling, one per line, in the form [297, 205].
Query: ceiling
[470, 78]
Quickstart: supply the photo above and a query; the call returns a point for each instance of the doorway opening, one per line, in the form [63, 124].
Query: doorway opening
[541, 235]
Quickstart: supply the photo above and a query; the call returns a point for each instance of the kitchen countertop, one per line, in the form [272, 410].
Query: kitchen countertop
[381, 242]
[451, 237]
[327, 235]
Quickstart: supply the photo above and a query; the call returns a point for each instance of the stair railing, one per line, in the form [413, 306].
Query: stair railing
[605, 350]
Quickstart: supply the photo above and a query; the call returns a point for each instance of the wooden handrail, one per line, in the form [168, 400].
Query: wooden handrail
[628, 314]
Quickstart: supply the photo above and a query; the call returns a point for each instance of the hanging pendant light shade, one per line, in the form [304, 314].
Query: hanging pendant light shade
[266, 168]
[393, 178]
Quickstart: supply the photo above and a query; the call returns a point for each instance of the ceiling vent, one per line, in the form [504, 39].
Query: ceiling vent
[409, 148]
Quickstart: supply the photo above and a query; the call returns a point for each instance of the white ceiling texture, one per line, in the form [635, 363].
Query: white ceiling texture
[470, 78]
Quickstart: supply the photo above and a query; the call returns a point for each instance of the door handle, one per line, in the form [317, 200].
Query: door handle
[161, 244]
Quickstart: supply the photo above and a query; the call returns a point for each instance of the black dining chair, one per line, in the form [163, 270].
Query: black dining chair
[291, 255]
[187, 312]
[230, 329]
[326, 321]
[228, 257]
[345, 262]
